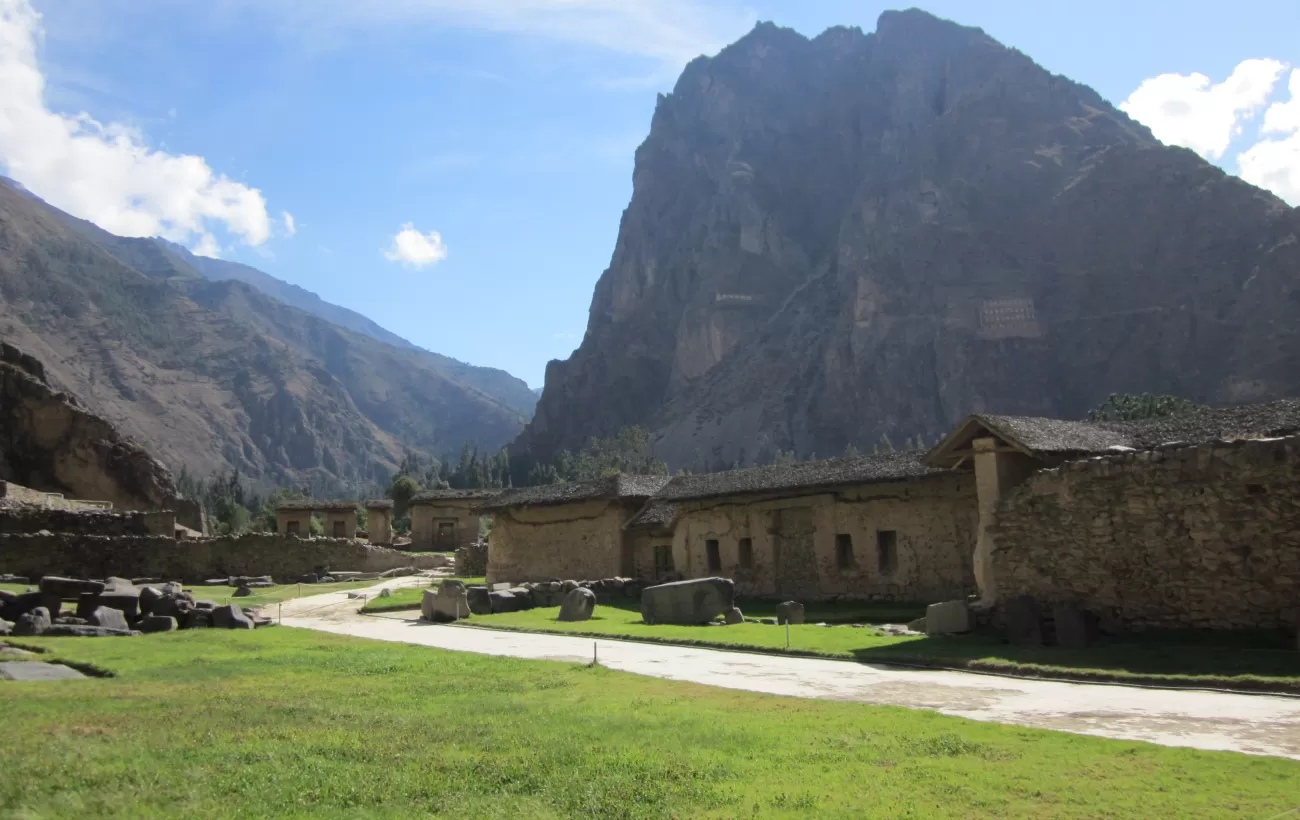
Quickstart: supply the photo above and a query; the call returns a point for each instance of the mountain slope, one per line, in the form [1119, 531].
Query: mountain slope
[214, 375]
[856, 235]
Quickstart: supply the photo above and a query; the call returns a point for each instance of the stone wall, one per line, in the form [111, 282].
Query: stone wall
[84, 522]
[1203, 536]
[472, 560]
[284, 558]
[795, 543]
[563, 541]
[11, 492]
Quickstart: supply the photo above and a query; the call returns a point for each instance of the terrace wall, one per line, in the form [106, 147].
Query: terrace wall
[282, 557]
[1203, 536]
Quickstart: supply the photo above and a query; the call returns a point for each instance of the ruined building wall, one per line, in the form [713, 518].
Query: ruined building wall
[284, 558]
[563, 541]
[86, 522]
[425, 518]
[903, 541]
[1203, 536]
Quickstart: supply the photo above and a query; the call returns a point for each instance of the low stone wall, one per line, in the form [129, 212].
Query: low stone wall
[472, 560]
[282, 557]
[83, 522]
[1203, 536]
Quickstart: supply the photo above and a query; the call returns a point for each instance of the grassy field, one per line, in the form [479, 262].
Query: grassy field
[406, 598]
[292, 723]
[1258, 663]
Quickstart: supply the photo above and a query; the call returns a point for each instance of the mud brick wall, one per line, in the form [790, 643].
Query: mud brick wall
[1204, 536]
[284, 558]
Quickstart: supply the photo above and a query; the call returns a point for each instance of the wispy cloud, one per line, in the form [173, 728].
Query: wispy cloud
[1274, 163]
[107, 172]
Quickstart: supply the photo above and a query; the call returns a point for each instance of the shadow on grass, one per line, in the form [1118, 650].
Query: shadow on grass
[1252, 661]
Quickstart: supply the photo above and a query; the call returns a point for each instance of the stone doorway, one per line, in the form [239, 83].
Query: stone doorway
[444, 539]
[796, 556]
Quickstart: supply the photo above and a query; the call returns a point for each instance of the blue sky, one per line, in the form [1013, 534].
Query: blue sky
[505, 126]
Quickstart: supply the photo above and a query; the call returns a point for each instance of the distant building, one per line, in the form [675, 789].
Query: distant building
[446, 520]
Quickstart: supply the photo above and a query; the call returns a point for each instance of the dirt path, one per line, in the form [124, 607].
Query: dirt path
[1254, 724]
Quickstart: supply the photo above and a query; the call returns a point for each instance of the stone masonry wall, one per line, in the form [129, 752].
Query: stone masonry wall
[282, 557]
[933, 522]
[1203, 536]
[84, 522]
[564, 541]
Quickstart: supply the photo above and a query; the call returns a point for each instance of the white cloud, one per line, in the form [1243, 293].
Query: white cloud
[106, 172]
[1187, 110]
[674, 31]
[1275, 163]
[207, 246]
[416, 250]
[289, 227]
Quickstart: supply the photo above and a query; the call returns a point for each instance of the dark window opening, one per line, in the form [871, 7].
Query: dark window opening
[663, 560]
[746, 553]
[340, 529]
[446, 535]
[292, 526]
[887, 551]
[844, 551]
[712, 555]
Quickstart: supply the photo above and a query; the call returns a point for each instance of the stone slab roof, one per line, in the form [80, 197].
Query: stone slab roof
[872, 469]
[655, 514]
[1057, 437]
[572, 492]
[432, 496]
[315, 505]
[379, 504]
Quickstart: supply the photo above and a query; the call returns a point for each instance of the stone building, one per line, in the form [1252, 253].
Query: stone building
[446, 520]
[885, 526]
[379, 521]
[566, 531]
[294, 517]
[1175, 522]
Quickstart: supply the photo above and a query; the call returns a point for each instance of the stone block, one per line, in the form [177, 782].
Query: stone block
[697, 601]
[37, 671]
[77, 631]
[6, 628]
[1075, 628]
[33, 623]
[21, 604]
[195, 619]
[158, 623]
[1024, 621]
[524, 597]
[450, 602]
[918, 625]
[735, 616]
[790, 612]
[69, 589]
[242, 592]
[578, 605]
[503, 601]
[947, 618]
[230, 617]
[479, 599]
[148, 597]
[108, 618]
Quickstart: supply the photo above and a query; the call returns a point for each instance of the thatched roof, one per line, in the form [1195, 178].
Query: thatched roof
[613, 487]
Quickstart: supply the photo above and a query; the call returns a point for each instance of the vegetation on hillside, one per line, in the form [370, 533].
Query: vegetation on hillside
[1127, 407]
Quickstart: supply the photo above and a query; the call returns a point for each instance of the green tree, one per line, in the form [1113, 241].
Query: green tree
[401, 490]
[1127, 407]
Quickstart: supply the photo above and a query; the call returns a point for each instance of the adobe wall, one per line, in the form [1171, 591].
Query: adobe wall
[1205, 536]
[425, 517]
[563, 541]
[284, 558]
[935, 521]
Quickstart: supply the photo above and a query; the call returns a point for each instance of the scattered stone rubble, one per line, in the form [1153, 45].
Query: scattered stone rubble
[113, 607]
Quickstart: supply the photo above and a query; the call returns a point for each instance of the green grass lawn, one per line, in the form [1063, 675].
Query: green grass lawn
[292, 723]
[407, 597]
[16, 587]
[1262, 664]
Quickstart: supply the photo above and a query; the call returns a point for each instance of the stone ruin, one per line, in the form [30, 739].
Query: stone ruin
[113, 607]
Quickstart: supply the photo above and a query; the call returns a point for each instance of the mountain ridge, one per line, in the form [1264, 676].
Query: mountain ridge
[840, 238]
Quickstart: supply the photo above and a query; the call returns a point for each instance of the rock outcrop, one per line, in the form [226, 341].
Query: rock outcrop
[865, 234]
[50, 442]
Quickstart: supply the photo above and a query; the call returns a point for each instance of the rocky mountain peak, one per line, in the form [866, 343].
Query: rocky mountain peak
[834, 239]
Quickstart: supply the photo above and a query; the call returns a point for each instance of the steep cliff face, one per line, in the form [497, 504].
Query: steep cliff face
[49, 442]
[856, 235]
